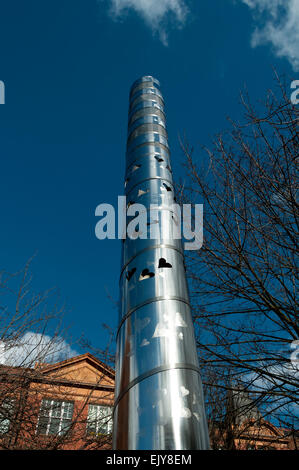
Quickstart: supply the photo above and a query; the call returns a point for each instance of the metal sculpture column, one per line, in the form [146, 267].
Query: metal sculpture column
[158, 398]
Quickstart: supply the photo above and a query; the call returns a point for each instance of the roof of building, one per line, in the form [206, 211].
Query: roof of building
[85, 371]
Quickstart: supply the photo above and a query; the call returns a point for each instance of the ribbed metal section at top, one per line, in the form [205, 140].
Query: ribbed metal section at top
[158, 392]
[144, 82]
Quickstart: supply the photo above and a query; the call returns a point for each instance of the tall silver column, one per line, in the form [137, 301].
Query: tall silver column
[158, 396]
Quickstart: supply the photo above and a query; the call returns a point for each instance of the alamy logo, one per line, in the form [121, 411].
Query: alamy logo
[2, 92]
[155, 223]
[295, 94]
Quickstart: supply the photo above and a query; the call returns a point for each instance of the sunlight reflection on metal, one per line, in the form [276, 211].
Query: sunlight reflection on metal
[159, 400]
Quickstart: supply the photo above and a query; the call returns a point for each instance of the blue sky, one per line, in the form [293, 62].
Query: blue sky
[67, 68]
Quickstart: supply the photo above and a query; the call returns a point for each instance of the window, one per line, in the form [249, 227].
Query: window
[99, 420]
[55, 417]
[6, 415]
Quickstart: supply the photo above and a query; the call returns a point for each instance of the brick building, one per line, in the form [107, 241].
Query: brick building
[244, 428]
[66, 405]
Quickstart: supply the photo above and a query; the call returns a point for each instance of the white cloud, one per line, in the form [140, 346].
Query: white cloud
[278, 25]
[282, 379]
[35, 347]
[157, 14]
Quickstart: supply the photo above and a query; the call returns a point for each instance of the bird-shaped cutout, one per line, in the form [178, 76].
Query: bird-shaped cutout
[163, 263]
[160, 160]
[135, 167]
[141, 192]
[146, 274]
[130, 273]
[168, 188]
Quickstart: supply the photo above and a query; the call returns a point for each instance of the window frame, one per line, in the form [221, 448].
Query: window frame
[8, 405]
[98, 420]
[50, 417]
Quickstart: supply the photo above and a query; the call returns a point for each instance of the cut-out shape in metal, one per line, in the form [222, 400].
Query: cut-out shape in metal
[163, 263]
[135, 167]
[179, 321]
[156, 357]
[185, 413]
[161, 330]
[168, 188]
[184, 391]
[130, 273]
[146, 274]
[141, 192]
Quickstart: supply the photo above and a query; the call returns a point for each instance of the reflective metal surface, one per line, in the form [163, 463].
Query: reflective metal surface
[159, 401]
[149, 96]
[164, 411]
[145, 91]
[145, 104]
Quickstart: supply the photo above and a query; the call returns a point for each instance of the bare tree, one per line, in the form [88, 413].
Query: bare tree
[38, 410]
[243, 279]
[31, 324]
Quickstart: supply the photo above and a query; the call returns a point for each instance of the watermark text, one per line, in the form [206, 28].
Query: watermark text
[295, 94]
[2, 92]
[164, 223]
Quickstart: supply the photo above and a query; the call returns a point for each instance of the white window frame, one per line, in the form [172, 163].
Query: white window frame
[100, 420]
[50, 416]
[8, 405]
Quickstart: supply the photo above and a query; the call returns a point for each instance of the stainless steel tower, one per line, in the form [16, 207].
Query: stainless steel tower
[158, 398]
